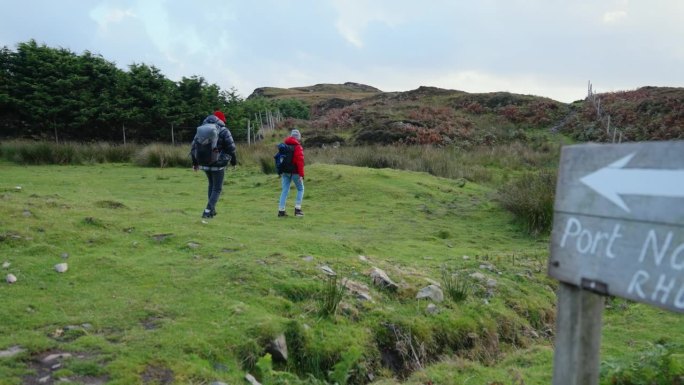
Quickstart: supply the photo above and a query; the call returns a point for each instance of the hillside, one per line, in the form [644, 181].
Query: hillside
[154, 294]
[430, 115]
[318, 93]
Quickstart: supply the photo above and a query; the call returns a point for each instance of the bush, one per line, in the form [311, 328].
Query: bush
[530, 198]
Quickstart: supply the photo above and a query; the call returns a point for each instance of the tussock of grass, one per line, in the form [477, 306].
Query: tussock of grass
[530, 198]
[162, 156]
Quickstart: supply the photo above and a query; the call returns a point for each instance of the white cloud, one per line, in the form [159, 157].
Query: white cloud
[105, 16]
[613, 17]
[354, 16]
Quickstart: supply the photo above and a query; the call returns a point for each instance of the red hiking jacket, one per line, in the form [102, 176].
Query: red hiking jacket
[298, 157]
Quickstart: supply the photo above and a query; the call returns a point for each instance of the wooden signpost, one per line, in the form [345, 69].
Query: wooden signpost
[618, 230]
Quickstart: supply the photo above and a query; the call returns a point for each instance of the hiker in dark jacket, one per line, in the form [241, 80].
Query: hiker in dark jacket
[296, 176]
[216, 171]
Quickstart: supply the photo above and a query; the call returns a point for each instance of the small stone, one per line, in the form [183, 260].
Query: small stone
[56, 366]
[87, 326]
[65, 255]
[328, 270]
[11, 278]
[44, 380]
[465, 257]
[11, 352]
[18, 188]
[363, 258]
[432, 309]
[204, 222]
[360, 290]
[56, 356]
[381, 279]
[61, 267]
[218, 383]
[6, 265]
[278, 348]
[491, 282]
[27, 213]
[433, 292]
[193, 245]
[307, 258]
[250, 378]
[478, 275]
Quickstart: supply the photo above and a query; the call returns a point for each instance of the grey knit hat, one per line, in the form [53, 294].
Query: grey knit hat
[296, 134]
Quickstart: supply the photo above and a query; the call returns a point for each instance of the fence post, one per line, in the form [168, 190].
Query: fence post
[578, 336]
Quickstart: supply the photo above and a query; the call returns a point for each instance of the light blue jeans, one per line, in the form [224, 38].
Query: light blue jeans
[299, 183]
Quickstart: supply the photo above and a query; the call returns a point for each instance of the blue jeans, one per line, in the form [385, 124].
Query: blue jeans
[215, 186]
[299, 183]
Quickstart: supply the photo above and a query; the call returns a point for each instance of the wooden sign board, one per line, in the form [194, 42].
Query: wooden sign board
[619, 221]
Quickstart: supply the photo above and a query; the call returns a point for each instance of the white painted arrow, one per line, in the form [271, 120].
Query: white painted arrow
[614, 180]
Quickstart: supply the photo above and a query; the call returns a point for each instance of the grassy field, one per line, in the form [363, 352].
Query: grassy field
[156, 295]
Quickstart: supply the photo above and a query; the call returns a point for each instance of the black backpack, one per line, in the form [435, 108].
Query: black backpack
[283, 159]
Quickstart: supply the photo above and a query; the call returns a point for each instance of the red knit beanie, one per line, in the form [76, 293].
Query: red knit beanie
[220, 115]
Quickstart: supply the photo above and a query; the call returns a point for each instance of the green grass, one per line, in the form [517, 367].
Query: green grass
[154, 294]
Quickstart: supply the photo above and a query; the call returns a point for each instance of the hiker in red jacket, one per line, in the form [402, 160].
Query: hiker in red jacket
[294, 174]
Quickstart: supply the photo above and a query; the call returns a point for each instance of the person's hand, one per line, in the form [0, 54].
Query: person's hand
[233, 161]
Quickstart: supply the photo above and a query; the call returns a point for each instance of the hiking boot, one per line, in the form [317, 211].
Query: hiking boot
[213, 213]
[207, 214]
[298, 212]
[282, 213]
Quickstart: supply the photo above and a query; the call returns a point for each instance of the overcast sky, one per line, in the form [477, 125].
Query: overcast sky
[542, 47]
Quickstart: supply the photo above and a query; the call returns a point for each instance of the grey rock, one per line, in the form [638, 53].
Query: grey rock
[307, 258]
[363, 258]
[360, 290]
[6, 265]
[328, 270]
[432, 309]
[381, 279]
[65, 255]
[478, 275]
[218, 383]
[11, 352]
[61, 267]
[278, 348]
[491, 282]
[54, 357]
[11, 278]
[433, 292]
[250, 378]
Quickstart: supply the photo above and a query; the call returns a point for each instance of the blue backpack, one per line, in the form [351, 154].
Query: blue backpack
[283, 159]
